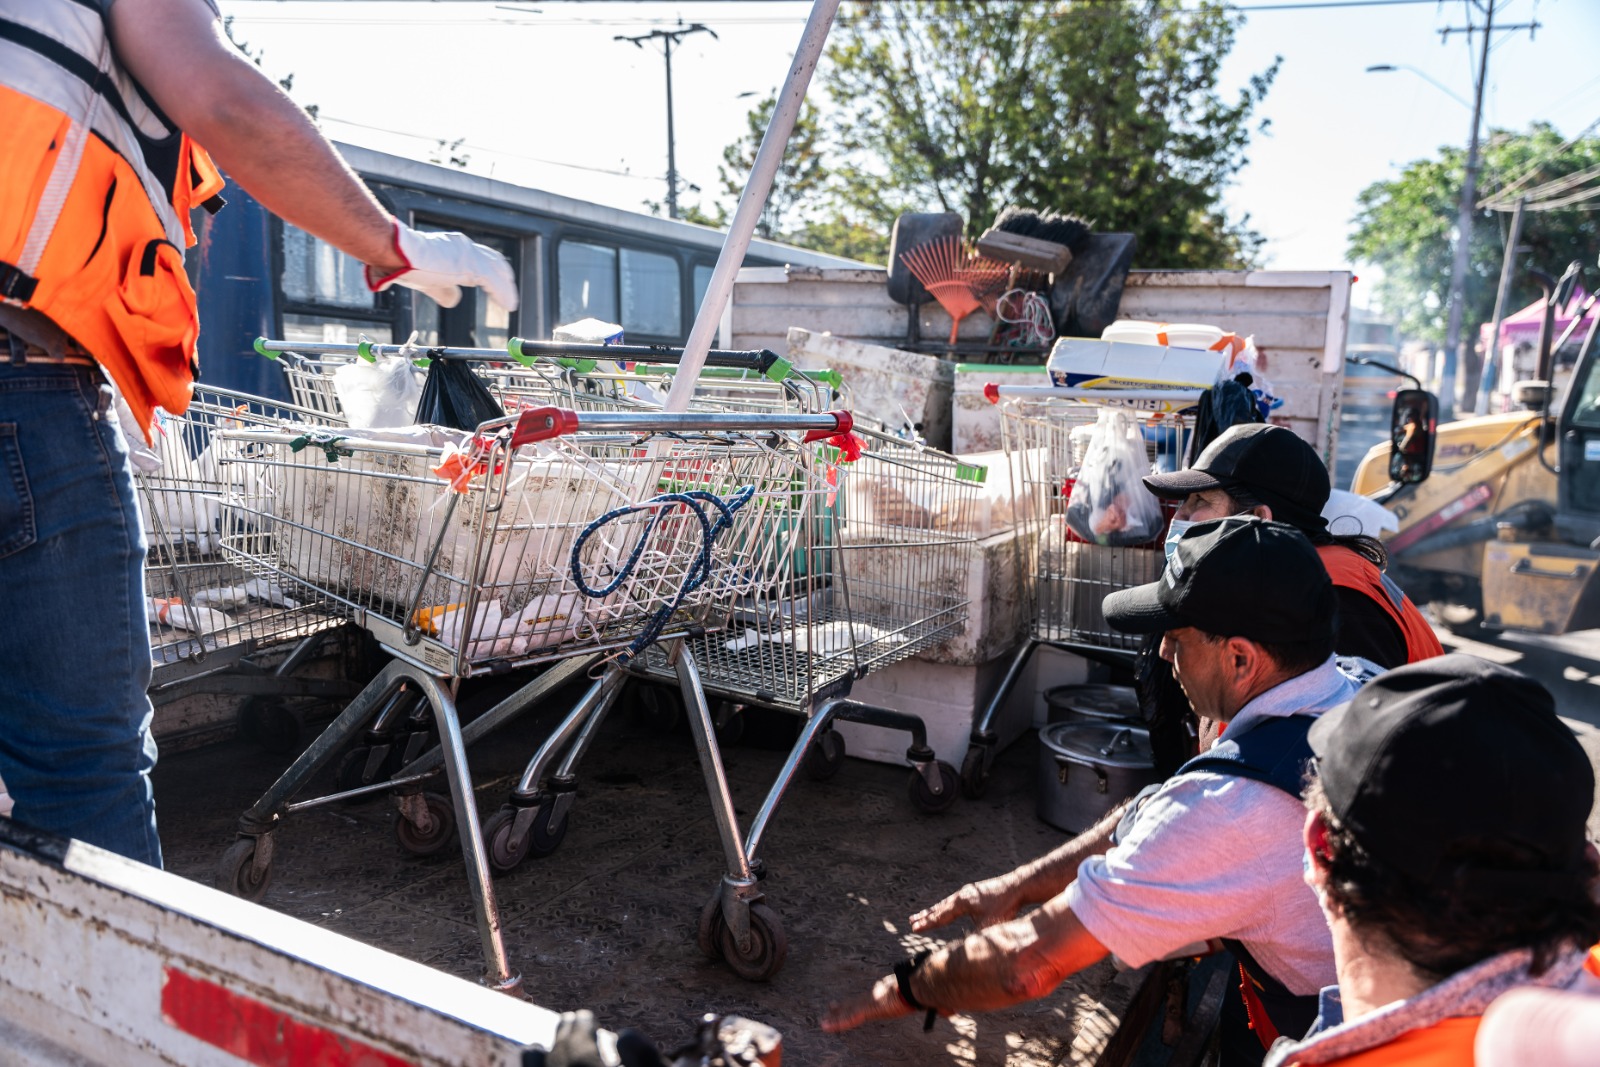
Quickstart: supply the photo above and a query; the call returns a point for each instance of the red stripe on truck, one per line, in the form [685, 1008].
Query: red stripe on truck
[256, 1032]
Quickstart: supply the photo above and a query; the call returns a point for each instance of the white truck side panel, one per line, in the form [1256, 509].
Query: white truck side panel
[105, 961]
[1299, 319]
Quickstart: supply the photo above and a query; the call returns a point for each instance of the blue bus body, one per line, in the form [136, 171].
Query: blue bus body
[256, 275]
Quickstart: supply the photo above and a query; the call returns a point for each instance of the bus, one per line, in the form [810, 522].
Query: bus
[258, 276]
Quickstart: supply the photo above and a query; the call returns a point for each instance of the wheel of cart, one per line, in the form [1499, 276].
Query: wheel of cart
[218, 625]
[465, 553]
[1044, 431]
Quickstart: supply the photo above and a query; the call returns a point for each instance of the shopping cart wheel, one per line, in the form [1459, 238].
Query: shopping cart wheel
[544, 836]
[825, 756]
[949, 785]
[353, 772]
[730, 725]
[769, 947]
[659, 708]
[235, 872]
[270, 724]
[974, 774]
[437, 828]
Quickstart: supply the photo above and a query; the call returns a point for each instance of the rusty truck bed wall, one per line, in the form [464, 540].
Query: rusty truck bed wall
[1299, 319]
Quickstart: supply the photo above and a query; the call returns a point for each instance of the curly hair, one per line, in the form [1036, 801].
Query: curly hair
[1448, 924]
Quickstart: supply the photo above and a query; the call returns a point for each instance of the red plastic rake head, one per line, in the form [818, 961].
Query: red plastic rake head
[956, 275]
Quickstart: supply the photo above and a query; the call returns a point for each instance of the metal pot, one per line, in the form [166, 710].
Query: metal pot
[1093, 703]
[1088, 768]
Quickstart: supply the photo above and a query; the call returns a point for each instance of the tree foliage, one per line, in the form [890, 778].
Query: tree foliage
[1107, 110]
[1406, 226]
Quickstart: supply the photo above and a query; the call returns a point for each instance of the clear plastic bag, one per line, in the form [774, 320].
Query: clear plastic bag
[383, 393]
[1109, 504]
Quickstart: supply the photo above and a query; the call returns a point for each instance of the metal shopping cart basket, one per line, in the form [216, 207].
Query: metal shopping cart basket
[574, 539]
[211, 618]
[1044, 431]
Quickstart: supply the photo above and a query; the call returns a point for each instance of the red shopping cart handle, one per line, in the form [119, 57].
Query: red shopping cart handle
[541, 424]
[844, 422]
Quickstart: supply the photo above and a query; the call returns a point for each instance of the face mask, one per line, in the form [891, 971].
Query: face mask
[1174, 532]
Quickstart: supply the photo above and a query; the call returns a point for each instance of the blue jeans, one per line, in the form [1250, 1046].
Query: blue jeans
[75, 744]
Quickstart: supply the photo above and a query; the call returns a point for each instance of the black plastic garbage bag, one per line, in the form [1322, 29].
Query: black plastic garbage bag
[453, 396]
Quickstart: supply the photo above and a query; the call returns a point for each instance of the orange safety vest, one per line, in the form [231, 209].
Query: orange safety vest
[1349, 569]
[1447, 1043]
[96, 187]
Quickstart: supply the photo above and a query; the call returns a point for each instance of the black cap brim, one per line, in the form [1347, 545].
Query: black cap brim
[1177, 484]
[1326, 726]
[1139, 610]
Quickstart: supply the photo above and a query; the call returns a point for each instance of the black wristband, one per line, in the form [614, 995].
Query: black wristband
[902, 978]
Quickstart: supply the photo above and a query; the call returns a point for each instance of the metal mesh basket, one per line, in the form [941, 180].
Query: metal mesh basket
[203, 607]
[1045, 438]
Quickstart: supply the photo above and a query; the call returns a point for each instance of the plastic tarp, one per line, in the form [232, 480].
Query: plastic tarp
[1524, 325]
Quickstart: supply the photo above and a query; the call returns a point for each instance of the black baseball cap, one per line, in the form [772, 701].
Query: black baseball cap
[1434, 753]
[1234, 577]
[1278, 466]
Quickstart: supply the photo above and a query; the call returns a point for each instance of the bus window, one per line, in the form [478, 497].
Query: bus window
[477, 321]
[315, 272]
[325, 294]
[652, 297]
[702, 282]
[586, 282]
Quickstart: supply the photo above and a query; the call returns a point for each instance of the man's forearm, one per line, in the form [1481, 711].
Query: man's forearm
[1050, 874]
[1020, 960]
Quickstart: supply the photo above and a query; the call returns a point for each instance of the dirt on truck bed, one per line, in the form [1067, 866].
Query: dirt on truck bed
[607, 922]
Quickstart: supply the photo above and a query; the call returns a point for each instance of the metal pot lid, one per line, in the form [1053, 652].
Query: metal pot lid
[1096, 699]
[1100, 743]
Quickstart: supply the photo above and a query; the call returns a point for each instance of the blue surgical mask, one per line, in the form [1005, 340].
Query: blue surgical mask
[1174, 532]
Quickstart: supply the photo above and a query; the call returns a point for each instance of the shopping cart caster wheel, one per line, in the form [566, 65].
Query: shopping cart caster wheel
[352, 772]
[271, 725]
[710, 921]
[769, 947]
[974, 774]
[436, 832]
[730, 730]
[659, 708]
[506, 853]
[825, 756]
[949, 785]
[235, 874]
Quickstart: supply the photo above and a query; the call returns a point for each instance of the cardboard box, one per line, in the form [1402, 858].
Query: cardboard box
[1086, 363]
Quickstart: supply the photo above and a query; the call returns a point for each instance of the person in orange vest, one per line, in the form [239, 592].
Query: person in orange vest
[1445, 840]
[1270, 471]
[104, 107]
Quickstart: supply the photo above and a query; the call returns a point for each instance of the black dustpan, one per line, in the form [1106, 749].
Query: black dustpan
[1085, 297]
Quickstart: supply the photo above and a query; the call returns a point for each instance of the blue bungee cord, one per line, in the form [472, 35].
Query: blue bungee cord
[698, 572]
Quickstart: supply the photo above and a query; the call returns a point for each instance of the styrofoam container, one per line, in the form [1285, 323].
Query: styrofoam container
[1196, 335]
[1090, 363]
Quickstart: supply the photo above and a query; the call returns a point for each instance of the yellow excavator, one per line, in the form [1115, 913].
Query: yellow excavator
[1500, 514]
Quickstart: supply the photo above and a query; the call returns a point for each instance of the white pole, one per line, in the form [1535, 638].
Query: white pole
[751, 203]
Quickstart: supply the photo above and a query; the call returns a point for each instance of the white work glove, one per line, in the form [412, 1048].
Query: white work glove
[439, 264]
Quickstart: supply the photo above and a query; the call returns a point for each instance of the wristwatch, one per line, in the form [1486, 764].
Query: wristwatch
[902, 979]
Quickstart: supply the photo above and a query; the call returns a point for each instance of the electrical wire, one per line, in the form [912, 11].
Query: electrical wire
[492, 151]
[1502, 199]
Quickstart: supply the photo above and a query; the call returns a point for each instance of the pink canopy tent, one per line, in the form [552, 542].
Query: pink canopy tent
[1524, 325]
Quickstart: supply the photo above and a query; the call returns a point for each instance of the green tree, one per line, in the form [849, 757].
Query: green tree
[1107, 110]
[1406, 226]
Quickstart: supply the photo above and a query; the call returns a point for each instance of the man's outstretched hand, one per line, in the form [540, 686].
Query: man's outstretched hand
[882, 1002]
[986, 903]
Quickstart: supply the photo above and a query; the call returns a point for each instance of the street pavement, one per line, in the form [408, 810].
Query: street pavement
[1568, 666]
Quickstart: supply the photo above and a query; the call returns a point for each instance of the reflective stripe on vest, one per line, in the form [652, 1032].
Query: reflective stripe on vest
[1349, 569]
[95, 192]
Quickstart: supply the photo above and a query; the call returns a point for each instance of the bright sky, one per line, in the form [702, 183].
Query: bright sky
[531, 84]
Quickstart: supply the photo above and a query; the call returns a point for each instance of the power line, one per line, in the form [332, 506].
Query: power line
[322, 117]
[1500, 200]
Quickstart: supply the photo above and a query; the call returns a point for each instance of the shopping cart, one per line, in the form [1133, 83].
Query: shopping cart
[217, 626]
[1044, 431]
[564, 538]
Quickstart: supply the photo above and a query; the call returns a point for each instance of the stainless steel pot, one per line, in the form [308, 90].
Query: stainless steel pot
[1093, 702]
[1088, 768]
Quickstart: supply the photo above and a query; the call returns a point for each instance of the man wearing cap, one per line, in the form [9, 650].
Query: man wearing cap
[1445, 841]
[1247, 613]
[1270, 471]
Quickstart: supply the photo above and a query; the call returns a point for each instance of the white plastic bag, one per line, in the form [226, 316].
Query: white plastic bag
[384, 393]
[1109, 503]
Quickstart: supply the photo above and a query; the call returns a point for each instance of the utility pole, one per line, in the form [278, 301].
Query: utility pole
[1491, 358]
[669, 38]
[1456, 300]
